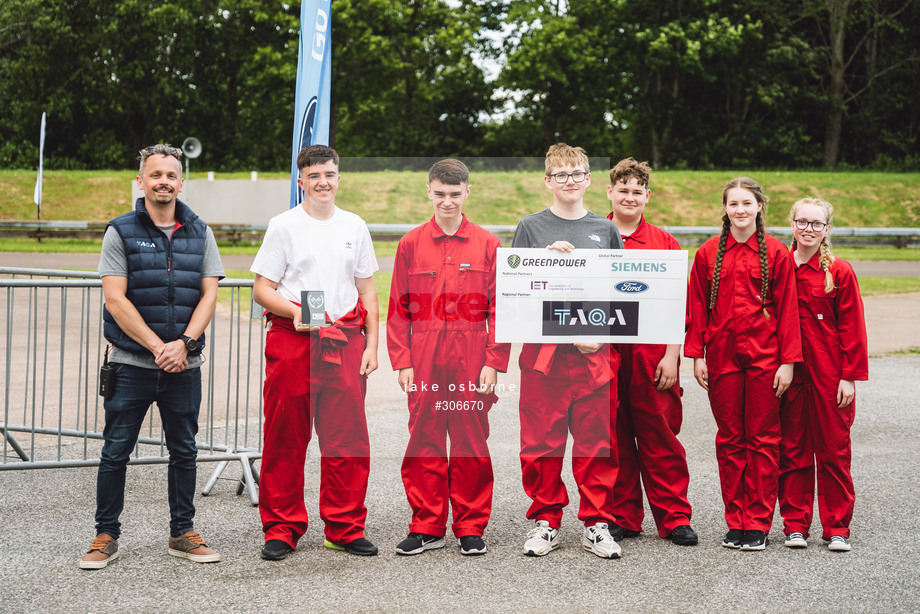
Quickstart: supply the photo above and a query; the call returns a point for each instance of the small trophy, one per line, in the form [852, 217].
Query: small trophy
[313, 306]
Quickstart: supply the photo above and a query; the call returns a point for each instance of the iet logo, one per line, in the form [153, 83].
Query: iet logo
[538, 285]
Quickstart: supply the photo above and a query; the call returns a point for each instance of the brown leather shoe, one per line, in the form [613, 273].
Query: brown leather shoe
[103, 551]
[190, 546]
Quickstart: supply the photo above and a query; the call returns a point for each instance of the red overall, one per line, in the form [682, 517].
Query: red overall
[564, 390]
[816, 433]
[647, 424]
[441, 323]
[314, 379]
[743, 350]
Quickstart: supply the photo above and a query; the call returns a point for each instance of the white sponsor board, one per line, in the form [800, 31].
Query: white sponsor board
[590, 295]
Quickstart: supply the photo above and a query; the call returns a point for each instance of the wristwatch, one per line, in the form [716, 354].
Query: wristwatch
[190, 344]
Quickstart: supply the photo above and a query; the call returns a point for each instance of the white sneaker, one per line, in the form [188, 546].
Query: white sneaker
[839, 543]
[795, 540]
[541, 540]
[597, 540]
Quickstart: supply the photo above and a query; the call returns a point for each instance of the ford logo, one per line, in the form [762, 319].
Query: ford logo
[306, 125]
[631, 287]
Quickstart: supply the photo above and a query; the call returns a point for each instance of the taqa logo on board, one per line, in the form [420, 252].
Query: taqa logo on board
[617, 318]
[631, 287]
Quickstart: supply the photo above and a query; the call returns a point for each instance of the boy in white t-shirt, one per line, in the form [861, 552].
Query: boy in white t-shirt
[316, 375]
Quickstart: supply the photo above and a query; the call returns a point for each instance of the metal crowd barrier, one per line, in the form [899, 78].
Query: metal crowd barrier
[52, 415]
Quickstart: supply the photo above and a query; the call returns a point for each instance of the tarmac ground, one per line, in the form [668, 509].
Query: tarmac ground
[47, 524]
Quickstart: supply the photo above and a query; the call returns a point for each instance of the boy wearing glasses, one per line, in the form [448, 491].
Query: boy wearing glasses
[649, 415]
[441, 339]
[570, 387]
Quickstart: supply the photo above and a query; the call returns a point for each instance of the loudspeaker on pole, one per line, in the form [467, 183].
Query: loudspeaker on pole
[191, 147]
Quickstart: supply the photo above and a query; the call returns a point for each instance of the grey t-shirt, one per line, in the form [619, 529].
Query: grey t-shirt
[545, 228]
[114, 261]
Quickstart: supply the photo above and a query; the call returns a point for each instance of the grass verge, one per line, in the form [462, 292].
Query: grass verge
[878, 286]
[906, 352]
[679, 198]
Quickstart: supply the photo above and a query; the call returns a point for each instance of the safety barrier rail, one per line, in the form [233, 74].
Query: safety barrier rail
[52, 416]
[253, 233]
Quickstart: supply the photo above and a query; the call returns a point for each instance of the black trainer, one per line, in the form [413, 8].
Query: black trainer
[733, 538]
[275, 550]
[684, 535]
[472, 545]
[617, 532]
[417, 543]
[361, 547]
[754, 540]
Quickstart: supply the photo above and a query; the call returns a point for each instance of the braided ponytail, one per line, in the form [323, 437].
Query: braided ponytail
[764, 264]
[826, 260]
[717, 268]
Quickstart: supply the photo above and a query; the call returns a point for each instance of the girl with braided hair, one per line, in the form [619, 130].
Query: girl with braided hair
[817, 411]
[744, 338]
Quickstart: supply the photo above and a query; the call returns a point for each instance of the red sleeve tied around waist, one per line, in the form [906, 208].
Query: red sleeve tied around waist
[333, 338]
[600, 371]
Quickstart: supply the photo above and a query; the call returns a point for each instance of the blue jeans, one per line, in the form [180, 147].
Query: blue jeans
[178, 397]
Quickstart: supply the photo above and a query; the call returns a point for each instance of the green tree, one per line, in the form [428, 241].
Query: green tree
[863, 40]
[881, 125]
[694, 83]
[557, 74]
[43, 64]
[673, 58]
[114, 77]
[404, 78]
[241, 90]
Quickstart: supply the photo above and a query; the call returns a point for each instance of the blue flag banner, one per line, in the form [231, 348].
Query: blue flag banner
[314, 74]
[37, 196]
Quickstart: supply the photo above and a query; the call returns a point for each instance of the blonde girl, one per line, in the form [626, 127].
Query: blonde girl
[818, 409]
